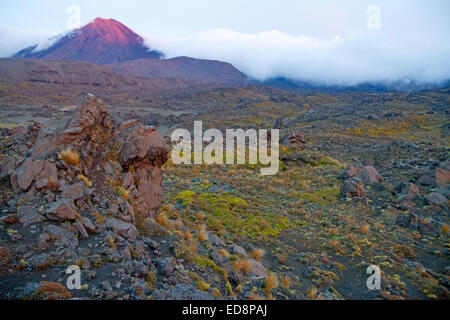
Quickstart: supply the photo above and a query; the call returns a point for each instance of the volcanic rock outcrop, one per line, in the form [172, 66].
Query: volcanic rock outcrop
[294, 139]
[93, 154]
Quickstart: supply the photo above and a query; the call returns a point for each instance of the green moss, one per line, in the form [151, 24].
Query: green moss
[324, 197]
[233, 214]
[208, 263]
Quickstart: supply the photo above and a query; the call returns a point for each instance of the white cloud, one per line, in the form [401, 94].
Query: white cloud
[46, 43]
[346, 60]
[13, 40]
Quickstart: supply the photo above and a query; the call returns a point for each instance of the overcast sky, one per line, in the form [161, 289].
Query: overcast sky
[323, 40]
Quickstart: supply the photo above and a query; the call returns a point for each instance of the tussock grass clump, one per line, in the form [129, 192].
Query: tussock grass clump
[270, 283]
[51, 291]
[243, 265]
[365, 229]
[86, 181]
[258, 254]
[53, 185]
[202, 285]
[162, 220]
[187, 235]
[202, 235]
[285, 282]
[124, 193]
[70, 157]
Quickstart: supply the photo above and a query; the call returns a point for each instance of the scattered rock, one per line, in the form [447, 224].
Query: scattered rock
[125, 229]
[182, 291]
[62, 210]
[165, 266]
[436, 198]
[369, 175]
[353, 187]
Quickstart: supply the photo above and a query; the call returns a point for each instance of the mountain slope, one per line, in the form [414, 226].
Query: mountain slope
[183, 68]
[73, 74]
[102, 41]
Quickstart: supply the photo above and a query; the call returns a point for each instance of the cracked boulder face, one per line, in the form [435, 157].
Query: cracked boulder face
[143, 149]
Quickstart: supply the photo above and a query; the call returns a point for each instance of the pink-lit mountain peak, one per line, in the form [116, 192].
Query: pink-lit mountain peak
[112, 31]
[102, 41]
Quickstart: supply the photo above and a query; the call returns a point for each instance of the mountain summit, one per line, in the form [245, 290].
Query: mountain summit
[102, 41]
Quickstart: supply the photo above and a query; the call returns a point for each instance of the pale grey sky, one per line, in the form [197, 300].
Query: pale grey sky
[323, 40]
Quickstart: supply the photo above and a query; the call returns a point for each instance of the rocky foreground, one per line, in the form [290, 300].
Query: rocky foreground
[87, 194]
[370, 188]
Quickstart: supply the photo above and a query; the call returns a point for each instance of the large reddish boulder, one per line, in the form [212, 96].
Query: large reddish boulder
[369, 175]
[442, 177]
[128, 152]
[353, 188]
[294, 140]
[91, 122]
[144, 148]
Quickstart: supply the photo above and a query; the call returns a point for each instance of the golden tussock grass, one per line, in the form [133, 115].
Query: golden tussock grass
[365, 229]
[187, 236]
[86, 181]
[270, 283]
[285, 282]
[254, 296]
[162, 220]
[52, 291]
[53, 185]
[70, 157]
[258, 254]
[202, 236]
[243, 265]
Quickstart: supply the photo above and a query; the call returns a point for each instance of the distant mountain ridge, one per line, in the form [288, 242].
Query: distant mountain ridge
[380, 86]
[110, 43]
[79, 73]
[102, 41]
[183, 68]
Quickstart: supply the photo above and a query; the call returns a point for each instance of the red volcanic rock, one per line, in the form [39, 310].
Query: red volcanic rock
[353, 188]
[144, 148]
[102, 41]
[369, 175]
[294, 139]
[128, 151]
[442, 177]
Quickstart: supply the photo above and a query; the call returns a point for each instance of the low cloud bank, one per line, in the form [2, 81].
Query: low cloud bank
[14, 40]
[343, 60]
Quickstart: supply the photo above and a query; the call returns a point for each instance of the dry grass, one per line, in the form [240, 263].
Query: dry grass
[124, 193]
[53, 185]
[285, 282]
[162, 220]
[202, 235]
[224, 253]
[365, 229]
[281, 259]
[86, 181]
[52, 291]
[70, 157]
[243, 265]
[202, 285]
[270, 283]
[187, 236]
[312, 292]
[258, 254]
[254, 296]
